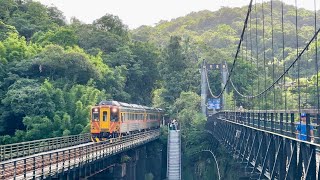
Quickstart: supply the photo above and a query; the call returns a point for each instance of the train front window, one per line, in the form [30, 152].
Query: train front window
[95, 116]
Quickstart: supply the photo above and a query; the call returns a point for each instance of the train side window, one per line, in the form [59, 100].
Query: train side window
[122, 117]
[114, 117]
[105, 115]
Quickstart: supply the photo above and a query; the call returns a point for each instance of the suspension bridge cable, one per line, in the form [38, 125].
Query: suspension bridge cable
[282, 75]
[316, 60]
[286, 69]
[238, 49]
[264, 55]
[251, 58]
[298, 63]
[283, 58]
[207, 79]
[257, 46]
[272, 54]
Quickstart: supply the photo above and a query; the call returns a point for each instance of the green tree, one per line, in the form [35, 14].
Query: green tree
[17, 48]
[111, 23]
[31, 17]
[176, 71]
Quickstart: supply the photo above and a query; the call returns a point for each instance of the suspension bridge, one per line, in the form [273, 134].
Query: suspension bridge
[271, 124]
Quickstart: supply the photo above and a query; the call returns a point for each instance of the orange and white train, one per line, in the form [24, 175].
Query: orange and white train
[112, 119]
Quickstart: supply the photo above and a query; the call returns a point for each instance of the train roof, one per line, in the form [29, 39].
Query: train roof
[123, 104]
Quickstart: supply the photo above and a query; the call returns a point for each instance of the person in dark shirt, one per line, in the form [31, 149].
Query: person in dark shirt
[302, 128]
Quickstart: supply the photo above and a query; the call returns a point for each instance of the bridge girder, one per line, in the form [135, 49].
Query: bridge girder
[264, 154]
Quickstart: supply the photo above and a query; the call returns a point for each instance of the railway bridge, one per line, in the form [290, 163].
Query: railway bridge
[74, 157]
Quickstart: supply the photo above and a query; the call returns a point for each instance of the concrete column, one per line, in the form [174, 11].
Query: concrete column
[141, 163]
[131, 170]
[154, 160]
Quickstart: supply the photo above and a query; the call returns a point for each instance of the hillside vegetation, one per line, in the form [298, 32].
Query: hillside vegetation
[214, 36]
[52, 72]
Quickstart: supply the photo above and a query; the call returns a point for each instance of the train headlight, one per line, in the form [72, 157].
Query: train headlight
[95, 109]
[114, 110]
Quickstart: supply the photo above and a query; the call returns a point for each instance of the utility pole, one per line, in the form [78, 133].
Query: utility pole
[224, 73]
[204, 88]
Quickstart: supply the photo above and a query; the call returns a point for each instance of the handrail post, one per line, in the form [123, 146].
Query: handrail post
[259, 120]
[50, 164]
[34, 167]
[317, 140]
[281, 123]
[252, 119]
[15, 169]
[292, 124]
[42, 167]
[308, 124]
[287, 123]
[272, 122]
[25, 168]
[264, 121]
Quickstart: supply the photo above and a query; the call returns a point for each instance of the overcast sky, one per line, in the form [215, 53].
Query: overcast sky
[135, 13]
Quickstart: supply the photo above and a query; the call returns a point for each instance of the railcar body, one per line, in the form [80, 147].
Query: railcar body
[112, 119]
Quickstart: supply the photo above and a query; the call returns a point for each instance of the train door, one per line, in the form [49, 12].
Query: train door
[105, 120]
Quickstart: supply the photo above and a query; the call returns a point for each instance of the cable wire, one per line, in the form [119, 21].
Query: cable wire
[238, 48]
[283, 74]
[283, 58]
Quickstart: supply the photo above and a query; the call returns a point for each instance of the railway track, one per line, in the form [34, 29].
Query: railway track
[45, 164]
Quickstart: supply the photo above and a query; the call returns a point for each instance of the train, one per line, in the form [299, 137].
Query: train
[110, 119]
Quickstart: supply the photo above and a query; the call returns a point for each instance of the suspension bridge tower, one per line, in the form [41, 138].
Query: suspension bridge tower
[220, 100]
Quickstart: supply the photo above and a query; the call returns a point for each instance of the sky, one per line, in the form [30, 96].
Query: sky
[135, 13]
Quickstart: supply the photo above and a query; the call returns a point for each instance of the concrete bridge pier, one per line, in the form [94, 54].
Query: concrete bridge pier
[131, 171]
[141, 162]
[155, 160]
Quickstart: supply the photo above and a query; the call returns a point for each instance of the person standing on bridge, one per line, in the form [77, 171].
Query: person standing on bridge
[302, 128]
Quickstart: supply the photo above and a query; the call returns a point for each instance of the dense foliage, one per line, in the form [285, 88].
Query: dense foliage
[51, 72]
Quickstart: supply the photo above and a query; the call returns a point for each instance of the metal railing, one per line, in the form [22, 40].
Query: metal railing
[50, 163]
[16, 150]
[277, 122]
[265, 144]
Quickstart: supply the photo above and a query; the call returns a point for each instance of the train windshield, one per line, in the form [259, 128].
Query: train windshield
[95, 114]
